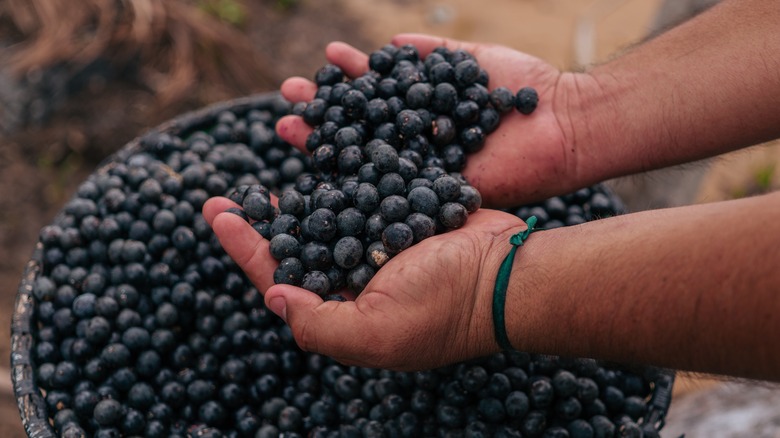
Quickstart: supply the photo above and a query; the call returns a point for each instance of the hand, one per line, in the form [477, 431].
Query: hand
[527, 158]
[428, 306]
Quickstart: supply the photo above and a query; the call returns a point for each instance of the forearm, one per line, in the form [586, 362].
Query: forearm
[691, 288]
[709, 86]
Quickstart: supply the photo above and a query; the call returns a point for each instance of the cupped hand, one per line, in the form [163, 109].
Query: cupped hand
[527, 158]
[428, 306]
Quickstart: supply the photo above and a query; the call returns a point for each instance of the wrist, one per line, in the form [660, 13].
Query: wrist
[586, 115]
[531, 314]
[522, 281]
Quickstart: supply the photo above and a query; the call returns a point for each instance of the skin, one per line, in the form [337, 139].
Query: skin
[691, 288]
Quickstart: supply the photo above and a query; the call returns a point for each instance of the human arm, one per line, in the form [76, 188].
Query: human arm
[708, 86]
[691, 288]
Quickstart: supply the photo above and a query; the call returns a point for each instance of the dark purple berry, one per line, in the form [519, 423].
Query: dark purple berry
[446, 188]
[354, 103]
[333, 200]
[324, 158]
[423, 200]
[444, 131]
[289, 271]
[283, 246]
[377, 111]
[359, 276]
[375, 225]
[442, 72]
[107, 412]
[409, 123]
[470, 198]
[422, 226]
[285, 224]
[348, 252]
[350, 222]
[322, 224]
[329, 74]
[380, 61]
[397, 237]
[238, 212]
[366, 198]
[502, 99]
[542, 394]
[526, 100]
[317, 282]
[466, 112]
[314, 113]
[316, 256]
[376, 254]
[366, 84]
[291, 202]
[602, 426]
[258, 207]
[444, 99]
[385, 158]
[336, 115]
[472, 139]
[580, 428]
[419, 95]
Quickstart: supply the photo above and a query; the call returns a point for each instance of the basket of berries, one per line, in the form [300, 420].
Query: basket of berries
[131, 320]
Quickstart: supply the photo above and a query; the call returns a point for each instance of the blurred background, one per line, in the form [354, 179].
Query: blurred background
[80, 78]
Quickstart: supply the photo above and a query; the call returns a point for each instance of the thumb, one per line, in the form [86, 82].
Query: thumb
[332, 328]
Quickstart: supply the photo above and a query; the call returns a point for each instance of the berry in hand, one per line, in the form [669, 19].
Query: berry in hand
[526, 100]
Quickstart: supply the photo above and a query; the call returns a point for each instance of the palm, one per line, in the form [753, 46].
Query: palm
[428, 306]
[524, 159]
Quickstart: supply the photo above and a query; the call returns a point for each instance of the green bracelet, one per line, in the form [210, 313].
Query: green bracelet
[502, 282]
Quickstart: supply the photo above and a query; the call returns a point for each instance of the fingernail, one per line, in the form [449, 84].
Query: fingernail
[279, 307]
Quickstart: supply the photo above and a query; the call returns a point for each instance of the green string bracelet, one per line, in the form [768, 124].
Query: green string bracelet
[502, 282]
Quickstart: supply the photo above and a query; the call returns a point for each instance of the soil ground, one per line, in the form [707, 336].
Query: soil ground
[40, 166]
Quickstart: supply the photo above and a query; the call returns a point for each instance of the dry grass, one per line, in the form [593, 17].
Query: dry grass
[174, 43]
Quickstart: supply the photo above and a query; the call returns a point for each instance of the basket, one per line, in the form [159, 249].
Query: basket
[33, 409]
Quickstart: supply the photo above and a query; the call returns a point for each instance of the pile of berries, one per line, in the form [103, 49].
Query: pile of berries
[387, 148]
[584, 205]
[144, 326]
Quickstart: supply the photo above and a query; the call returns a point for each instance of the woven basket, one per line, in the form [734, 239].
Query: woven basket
[29, 398]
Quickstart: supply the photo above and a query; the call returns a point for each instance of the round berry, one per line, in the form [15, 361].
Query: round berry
[526, 100]
[397, 237]
[348, 252]
[453, 215]
[107, 412]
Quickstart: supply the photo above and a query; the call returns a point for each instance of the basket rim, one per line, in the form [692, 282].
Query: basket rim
[29, 398]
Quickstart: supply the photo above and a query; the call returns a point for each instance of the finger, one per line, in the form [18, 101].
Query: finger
[487, 219]
[298, 89]
[220, 204]
[215, 206]
[294, 130]
[351, 60]
[245, 245]
[426, 43]
[326, 327]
